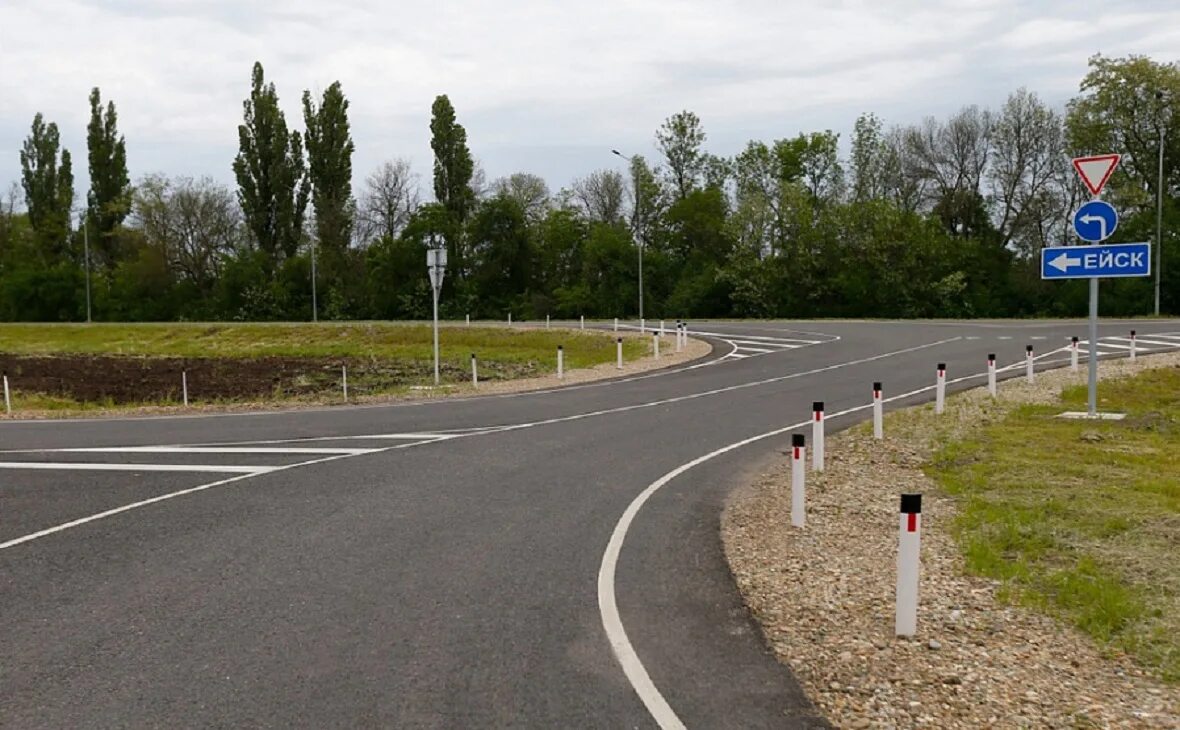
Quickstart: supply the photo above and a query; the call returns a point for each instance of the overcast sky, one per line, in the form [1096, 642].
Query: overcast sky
[542, 86]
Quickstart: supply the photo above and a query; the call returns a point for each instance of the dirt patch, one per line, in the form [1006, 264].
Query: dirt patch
[121, 380]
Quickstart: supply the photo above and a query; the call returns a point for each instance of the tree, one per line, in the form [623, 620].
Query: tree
[49, 189]
[109, 200]
[867, 162]
[196, 224]
[529, 191]
[389, 201]
[600, 195]
[453, 169]
[680, 139]
[272, 180]
[329, 161]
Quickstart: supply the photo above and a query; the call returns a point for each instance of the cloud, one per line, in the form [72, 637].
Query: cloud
[540, 85]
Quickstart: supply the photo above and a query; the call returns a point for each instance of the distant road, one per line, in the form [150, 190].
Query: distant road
[535, 560]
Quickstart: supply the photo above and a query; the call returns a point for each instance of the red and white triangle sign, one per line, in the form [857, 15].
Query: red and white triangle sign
[1096, 170]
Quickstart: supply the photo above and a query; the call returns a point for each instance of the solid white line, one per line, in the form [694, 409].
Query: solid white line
[756, 350]
[1145, 341]
[199, 450]
[77, 466]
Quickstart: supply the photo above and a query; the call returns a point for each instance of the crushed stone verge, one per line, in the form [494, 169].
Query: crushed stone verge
[824, 596]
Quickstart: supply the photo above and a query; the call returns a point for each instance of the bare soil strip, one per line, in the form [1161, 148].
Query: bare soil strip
[825, 595]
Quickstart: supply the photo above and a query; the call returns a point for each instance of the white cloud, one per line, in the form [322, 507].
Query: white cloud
[540, 85]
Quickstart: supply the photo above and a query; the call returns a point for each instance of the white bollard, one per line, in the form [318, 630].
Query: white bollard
[817, 436]
[798, 488]
[474, 372]
[1133, 345]
[344, 380]
[940, 390]
[642, 326]
[619, 353]
[1073, 355]
[908, 563]
[184, 386]
[662, 328]
[679, 338]
[616, 324]
[468, 320]
[655, 344]
[7, 398]
[560, 362]
[991, 374]
[546, 321]
[582, 321]
[878, 412]
[684, 327]
[510, 319]
[1029, 361]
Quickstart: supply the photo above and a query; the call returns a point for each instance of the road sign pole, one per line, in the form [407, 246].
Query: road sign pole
[1093, 395]
[436, 379]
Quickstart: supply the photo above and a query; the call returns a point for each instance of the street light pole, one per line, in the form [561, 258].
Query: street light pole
[314, 304]
[1159, 210]
[635, 231]
[86, 257]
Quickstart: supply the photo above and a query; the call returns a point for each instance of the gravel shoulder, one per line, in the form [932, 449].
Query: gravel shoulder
[824, 595]
[695, 350]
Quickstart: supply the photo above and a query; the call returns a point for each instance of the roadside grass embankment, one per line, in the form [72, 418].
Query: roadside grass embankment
[66, 367]
[1081, 519]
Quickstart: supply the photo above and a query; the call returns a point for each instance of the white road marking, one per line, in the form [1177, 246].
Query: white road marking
[78, 466]
[199, 450]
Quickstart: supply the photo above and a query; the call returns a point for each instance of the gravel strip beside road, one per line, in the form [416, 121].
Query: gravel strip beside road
[824, 596]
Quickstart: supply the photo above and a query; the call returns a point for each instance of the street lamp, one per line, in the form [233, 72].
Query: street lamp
[1159, 207]
[315, 317]
[635, 230]
[436, 264]
[84, 219]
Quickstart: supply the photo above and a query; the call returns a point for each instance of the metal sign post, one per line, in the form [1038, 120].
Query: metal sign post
[436, 264]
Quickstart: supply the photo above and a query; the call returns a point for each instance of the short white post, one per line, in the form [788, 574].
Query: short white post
[546, 321]
[619, 353]
[560, 362]
[908, 563]
[642, 326]
[582, 321]
[510, 319]
[7, 397]
[679, 338]
[991, 374]
[798, 488]
[817, 436]
[184, 386]
[655, 344]
[1029, 361]
[878, 412]
[684, 327]
[468, 320]
[1133, 345]
[344, 380]
[661, 328]
[940, 389]
[616, 324]
[474, 372]
[1073, 355]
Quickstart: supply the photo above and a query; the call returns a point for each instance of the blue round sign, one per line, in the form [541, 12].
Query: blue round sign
[1095, 221]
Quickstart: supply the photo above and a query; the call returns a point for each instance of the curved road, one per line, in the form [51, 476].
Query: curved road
[538, 560]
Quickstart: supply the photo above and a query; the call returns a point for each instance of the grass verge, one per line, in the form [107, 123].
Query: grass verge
[1080, 519]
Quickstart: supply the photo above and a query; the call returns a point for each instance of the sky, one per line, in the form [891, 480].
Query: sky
[542, 86]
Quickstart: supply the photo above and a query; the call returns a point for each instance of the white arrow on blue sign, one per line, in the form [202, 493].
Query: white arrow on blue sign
[1095, 221]
[1096, 262]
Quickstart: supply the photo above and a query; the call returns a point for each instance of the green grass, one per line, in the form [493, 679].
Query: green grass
[1081, 519]
[356, 340]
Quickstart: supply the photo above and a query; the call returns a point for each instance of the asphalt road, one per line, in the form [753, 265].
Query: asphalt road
[438, 565]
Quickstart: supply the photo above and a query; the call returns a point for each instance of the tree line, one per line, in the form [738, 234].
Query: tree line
[941, 218]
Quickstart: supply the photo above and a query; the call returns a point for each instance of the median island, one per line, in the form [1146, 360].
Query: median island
[63, 370]
[1050, 584]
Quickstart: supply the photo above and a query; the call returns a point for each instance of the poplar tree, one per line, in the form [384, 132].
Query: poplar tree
[453, 169]
[109, 200]
[49, 189]
[329, 159]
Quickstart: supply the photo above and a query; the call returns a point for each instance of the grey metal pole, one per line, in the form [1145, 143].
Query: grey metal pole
[436, 380]
[1159, 226]
[640, 278]
[1093, 396]
[86, 255]
[314, 303]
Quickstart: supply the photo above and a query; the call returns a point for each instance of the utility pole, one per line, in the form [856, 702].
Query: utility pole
[315, 317]
[1159, 208]
[86, 257]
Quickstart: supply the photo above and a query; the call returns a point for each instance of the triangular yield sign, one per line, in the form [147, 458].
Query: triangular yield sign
[1095, 171]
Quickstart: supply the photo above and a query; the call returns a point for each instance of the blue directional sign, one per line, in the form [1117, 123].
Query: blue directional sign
[1095, 221]
[1096, 262]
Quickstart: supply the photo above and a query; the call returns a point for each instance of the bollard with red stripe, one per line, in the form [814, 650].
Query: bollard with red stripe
[817, 436]
[940, 389]
[1132, 344]
[908, 563]
[991, 374]
[878, 412]
[798, 493]
[1029, 360]
[1073, 355]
